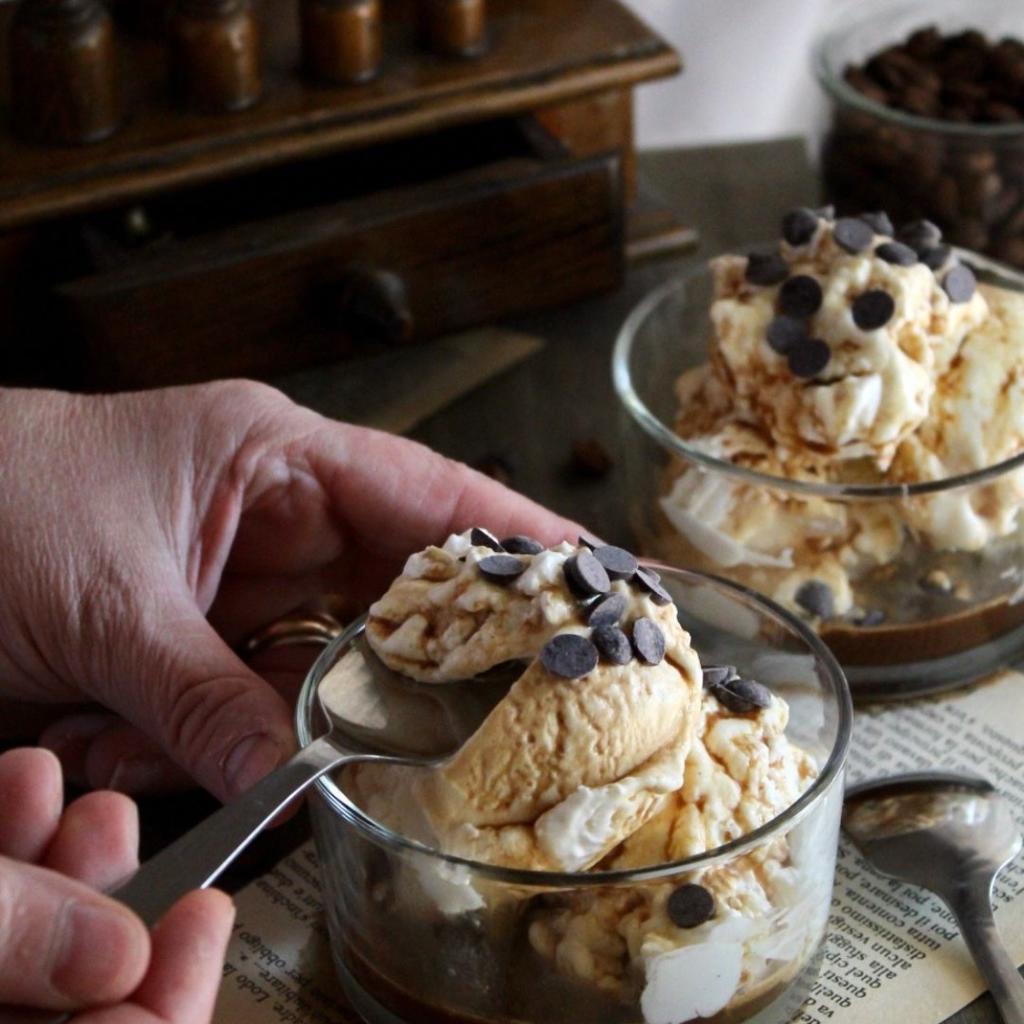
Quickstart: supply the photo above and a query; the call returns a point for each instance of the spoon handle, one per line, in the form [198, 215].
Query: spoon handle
[971, 903]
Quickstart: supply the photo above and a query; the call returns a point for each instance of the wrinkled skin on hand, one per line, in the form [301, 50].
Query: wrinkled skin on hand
[147, 533]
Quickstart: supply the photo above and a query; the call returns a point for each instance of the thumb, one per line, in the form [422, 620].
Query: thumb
[219, 720]
[62, 945]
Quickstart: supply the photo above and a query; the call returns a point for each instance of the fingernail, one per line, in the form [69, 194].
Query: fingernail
[136, 775]
[99, 953]
[74, 732]
[249, 760]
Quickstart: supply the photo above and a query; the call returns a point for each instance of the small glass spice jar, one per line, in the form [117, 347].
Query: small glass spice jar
[341, 39]
[454, 28]
[64, 86]
[215, 54]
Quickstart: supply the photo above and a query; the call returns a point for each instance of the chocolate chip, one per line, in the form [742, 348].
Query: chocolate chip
[852, 234]
[586, 576]
[613, 644]
[742, 696]
[766, 268]
[481, 538]
[873, 309]
[587, 542]
[878, 222]
[714, 675]
[500, 568]
[872, 617]
[607, 611]
[569, 655]
[648, 580]
[618, 562]
[815, 596]
[689, 906]
[959, 284]
[520, 544]
[920, 235]
[648, 641]
[896, 252]
[799, 225]
[784, 333]
[935, 258]
[800, 296]
[809, 359]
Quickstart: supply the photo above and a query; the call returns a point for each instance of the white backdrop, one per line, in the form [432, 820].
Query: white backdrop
[747, 73]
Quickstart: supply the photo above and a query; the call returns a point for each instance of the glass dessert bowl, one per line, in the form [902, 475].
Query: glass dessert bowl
[869, 478]
[630, 935]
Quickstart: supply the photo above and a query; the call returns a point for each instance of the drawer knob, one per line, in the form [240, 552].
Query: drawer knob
[373, 303]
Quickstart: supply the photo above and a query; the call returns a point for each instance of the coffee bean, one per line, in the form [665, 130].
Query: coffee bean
[569, 656]
[879, 222]
[872, 617]
[873, 309]
[742, 696]
[784, 334]
[852, 234]
[618, 562]
[800, 296]
[815, 596]
[520, 544]
[897, 253]
[649, 581]
[799, 225]
[919, 235]
[714, 675]
[959, 284]
[648, 641]
[613, 644]
[607, 611]
[809, 359]
[481, 538]
[500, 568]
[586, 576]
[689, 906]
[935, 258]
[766, 268]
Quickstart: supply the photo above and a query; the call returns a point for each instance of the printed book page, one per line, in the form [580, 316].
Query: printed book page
[893, 951]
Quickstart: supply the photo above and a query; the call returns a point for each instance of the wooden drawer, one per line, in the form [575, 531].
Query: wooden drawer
[286, 268]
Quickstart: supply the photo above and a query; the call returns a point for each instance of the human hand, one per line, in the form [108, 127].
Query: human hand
[64, 946]
[144, 533]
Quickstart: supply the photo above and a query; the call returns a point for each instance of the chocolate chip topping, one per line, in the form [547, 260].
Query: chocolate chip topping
[784, 333]
[500, 568]
[959, 284]
[689, 906]
[799, 225]
[714, 675]
[648, 641]
[520, 544]
[607, 611]
[586, 576]
[935, 258]
[815, 596]
[852, 234]
[920, 235]
[898, 253]
[613, 644]
[569, 655]
[809, 358]
[742, 696]
[587, 542]
[766, 268]
[481, 538]
[618, 562]
[872, 617]
[648, 580]
[873, 309]
[879, 222]
[800, 296]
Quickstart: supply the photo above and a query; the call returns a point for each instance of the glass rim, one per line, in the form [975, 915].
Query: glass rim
[829, 776]
[667, 438]
[841, 22]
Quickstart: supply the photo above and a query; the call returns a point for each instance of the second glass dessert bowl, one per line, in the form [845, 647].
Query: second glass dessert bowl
[924, 618]
[420, 936]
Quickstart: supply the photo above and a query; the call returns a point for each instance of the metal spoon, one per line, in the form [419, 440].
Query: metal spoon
[951, 834]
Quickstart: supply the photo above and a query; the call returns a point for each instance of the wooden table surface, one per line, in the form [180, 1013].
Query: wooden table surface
[530, 416]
